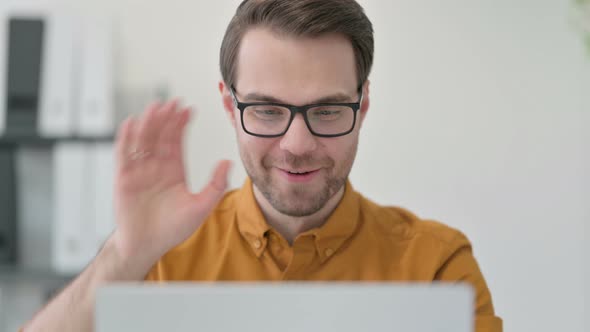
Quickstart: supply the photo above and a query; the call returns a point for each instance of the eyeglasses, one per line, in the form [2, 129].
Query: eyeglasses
[264, 119]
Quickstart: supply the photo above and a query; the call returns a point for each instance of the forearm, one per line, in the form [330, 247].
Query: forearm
[155, 211]
[73, 308]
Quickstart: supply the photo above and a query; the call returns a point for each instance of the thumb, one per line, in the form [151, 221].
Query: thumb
[217, 185]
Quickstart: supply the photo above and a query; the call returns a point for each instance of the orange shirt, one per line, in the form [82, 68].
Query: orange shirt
[360, 241]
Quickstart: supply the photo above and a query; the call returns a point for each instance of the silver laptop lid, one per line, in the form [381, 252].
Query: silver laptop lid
[263, 307]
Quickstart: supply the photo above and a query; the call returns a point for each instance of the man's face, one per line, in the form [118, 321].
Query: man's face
[296, 71]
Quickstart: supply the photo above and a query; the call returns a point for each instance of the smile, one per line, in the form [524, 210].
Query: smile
[299, 175]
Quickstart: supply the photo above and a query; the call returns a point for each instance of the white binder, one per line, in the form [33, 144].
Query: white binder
[96, 96]
[59, 88]
[103, 162]
[73, 236]
[35, 188]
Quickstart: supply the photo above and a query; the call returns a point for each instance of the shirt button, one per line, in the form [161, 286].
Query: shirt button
[329, 252]
[257, 244]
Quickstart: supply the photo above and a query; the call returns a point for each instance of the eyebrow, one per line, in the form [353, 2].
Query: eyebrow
[334, 98]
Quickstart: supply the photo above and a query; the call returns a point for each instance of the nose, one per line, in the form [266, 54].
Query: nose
[298, 140]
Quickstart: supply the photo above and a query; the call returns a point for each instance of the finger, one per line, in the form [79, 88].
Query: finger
[170, 141]
[125, 137]
[216, 187]
[166, 113]
[147, 130]
[178, 134]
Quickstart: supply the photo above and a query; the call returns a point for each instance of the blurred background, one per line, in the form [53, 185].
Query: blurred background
[480, 118]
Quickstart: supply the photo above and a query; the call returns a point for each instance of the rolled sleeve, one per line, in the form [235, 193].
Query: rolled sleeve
[460, 265]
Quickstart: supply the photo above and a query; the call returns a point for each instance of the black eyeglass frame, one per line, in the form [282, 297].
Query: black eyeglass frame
[297, 109]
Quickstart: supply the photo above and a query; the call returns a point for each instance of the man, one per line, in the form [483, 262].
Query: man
[295, 88]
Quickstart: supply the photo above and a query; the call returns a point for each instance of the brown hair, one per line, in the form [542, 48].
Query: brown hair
[307, 18]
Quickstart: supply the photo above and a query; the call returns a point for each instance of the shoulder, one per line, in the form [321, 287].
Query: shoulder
[403, 224]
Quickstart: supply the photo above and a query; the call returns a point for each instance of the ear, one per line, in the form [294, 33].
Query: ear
[228, 102]
[366, 102]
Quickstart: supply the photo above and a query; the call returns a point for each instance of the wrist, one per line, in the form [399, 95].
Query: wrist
[118, 262]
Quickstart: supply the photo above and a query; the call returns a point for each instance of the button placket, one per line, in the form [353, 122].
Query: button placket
[303, 253]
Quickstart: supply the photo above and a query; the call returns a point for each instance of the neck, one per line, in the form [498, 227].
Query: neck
[290, 227]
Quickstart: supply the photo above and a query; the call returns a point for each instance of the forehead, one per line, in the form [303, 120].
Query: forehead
[295, 69]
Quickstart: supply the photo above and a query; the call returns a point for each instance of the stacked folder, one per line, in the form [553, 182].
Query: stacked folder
[56, 73]
[56, 81]
[83, 202]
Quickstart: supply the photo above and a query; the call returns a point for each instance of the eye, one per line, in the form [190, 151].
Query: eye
[326, 114]
[267, 113]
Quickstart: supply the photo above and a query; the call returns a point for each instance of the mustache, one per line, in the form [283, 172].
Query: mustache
[293, 161]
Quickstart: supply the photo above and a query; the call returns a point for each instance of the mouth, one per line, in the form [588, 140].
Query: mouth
[303, 175]
[299, 172]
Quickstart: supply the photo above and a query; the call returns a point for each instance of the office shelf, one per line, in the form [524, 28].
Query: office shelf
[12, 140]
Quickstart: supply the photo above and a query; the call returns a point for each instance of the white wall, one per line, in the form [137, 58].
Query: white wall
[483, 129]
[477, 120]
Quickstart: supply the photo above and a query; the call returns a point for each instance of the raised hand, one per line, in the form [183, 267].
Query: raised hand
[154, 208]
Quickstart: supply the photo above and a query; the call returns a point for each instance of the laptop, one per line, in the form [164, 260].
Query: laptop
[285, 307]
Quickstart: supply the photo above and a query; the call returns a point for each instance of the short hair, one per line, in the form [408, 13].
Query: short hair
[300, 18]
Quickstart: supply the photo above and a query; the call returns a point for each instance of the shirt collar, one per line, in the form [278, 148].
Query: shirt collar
[339, 227]
[250, 219]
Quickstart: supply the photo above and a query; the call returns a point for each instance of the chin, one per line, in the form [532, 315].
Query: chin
[297, 209]
[300, 200]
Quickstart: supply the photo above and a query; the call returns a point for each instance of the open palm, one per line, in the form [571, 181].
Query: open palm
[154, 208]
